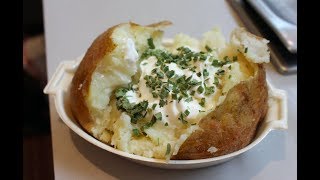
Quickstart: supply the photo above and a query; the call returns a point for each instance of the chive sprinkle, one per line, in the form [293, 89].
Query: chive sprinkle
[208, 48]
[150, 43]
[154, 106]
[158, 116]
[205, 73]
[168, 149]
[200, 89]
[136, 132]
[202, 102]
[186, 112]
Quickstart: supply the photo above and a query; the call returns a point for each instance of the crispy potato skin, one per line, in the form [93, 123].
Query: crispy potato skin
[232, 125]
[81, 81]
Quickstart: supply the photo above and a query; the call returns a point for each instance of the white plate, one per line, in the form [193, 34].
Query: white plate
[58, 86]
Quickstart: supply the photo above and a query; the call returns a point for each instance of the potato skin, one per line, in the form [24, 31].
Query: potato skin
[81, 81]
[232, 125]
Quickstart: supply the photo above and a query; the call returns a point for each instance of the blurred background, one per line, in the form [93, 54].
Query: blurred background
[37, 151]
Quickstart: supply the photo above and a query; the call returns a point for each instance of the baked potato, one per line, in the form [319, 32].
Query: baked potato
[188, 100]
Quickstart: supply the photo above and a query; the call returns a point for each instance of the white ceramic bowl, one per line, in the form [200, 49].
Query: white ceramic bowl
[58, 86]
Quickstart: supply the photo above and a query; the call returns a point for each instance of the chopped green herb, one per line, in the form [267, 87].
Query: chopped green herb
[154, 106]
[216, 63]
[203, 57]
[201, 111]
[135, 111]
[166, 68]
[189, 99]
[170, 73]
[186, 112]
[145, 63]
[193, 124]
[192, 92]
[150, 43]
[154, 95]
[227, 60]
[164, 93]
[202, 102]
[121, 92]
[220, 72]
[200, 89]
[209, 90]
[174, 96]
[205, 73]
[162, 102]
[193, 69]
[234, 58]
[158, 116]
[229, 67]
[136, 132]
[216, 81]
[208, 48]
[199, 74]
[182, 118]
[230, 76]
[166, 124]
[246, 50]
[168, 149]
[160, 74]
[150, 124]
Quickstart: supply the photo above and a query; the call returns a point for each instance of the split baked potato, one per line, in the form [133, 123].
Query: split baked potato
[192, 99]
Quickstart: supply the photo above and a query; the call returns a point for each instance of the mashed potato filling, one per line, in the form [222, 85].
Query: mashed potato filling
[174, 87]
